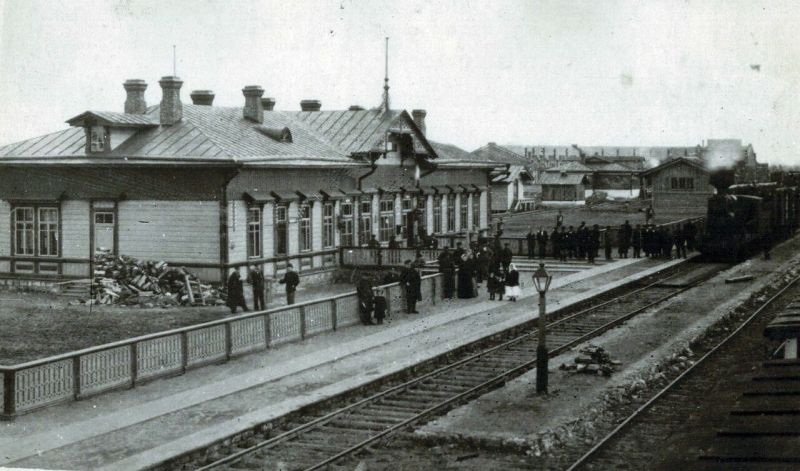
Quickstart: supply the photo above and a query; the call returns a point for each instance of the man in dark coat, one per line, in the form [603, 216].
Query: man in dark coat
[482, 261]
[636, 241]
[366, 300]
[582, 235]
[572, 242]
[506, 256]
[256, 280]
[607, 243]
[373, 242]
[541, 240]
[410, 281]
[680, 242]
[594, 242]
[563, 245]
[625, 239]
[291, 279]
[559, 219]
[235, 292]
[555, 243]
[447, 269]
[531, 239]
[458, 253]
[691, 233]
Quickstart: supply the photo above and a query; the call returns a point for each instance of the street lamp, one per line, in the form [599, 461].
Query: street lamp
[541, 279]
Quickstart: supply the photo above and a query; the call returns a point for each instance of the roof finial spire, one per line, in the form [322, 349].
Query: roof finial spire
[386, 79]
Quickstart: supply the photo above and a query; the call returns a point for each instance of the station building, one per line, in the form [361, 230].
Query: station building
[213, 188]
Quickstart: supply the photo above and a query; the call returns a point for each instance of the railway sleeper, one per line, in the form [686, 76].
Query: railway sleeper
[365, 424]
[388, 411]
[377, 417]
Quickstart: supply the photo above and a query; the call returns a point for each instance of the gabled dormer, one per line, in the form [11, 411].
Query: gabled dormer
[106, 130]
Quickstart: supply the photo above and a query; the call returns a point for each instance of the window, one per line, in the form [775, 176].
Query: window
[682, 183]
[365, 223]
[437, 214]
[327, 225]
[253, 232]
[451, 213]
[407, 205]
[281, 232]
[104, 218]
[346, 221]
[386, 222]
[23, 228]
[463, 211]
[305, 227]
[97, 139]
[36, 231]
[476, 210]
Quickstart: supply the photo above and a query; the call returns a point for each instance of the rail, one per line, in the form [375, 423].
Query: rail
[126, 363]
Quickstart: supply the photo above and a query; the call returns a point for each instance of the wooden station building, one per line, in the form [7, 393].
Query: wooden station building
[213, 188]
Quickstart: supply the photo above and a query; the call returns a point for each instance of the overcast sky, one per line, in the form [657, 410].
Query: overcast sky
[562, 72]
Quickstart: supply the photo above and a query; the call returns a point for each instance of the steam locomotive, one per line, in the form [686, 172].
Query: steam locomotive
[744, 218]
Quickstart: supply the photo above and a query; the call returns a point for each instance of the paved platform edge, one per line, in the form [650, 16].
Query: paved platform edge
[209, 436]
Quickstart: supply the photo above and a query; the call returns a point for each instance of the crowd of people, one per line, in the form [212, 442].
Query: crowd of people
[465, 269]
[583, 242]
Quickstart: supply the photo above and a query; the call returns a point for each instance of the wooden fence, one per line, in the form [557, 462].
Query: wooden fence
[84, 373]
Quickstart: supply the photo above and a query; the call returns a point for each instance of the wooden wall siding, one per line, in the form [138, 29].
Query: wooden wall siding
[75, 229]
[458, 202]
[294, 230]
[429, 214]
[563, 192]
[457, 176]
[662, 181]
[469, 200]
[499, 197]
[74, 269]
[237, 231]
[614, 182]
[390, 177]
[268, 236]
[178, 231]
[445, 222]
[5, 228]
[316, 230]
[266, 180]
[376, 215]
[136, 184]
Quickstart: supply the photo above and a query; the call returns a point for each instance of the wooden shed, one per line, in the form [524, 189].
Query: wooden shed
[563, 186]
[679, 185]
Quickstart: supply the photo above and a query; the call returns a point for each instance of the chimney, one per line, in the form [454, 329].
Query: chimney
[419, 119]
[268, 104]
[171, 107]
[202, 97]
[355, 108]
[134, 103]
[253, 109]
[310, 105]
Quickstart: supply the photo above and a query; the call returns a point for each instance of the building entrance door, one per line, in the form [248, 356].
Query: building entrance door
[104, 231]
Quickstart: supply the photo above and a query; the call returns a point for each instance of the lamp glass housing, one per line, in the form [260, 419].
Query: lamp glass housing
[541, 279]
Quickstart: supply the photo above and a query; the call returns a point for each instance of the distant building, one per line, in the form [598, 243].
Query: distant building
[731, 152]
[511, 188]
[679, 185]
[563, 187]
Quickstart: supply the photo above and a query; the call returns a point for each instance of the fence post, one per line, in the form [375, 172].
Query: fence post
[76, 377]
[388, 300]
[334, 315]
[9, 392]
[433, 289]
[228, 341]
[134, 363]
[184, 351]
[302, 322]
[267, 330]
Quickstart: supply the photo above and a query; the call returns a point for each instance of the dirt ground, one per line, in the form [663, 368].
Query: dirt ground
[37, 325]
[517, 225]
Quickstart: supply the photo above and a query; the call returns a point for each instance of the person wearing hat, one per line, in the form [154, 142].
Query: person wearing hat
[291, 279]
[235, 292]
[411, 281]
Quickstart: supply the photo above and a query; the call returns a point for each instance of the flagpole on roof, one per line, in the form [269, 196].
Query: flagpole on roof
[386, 78]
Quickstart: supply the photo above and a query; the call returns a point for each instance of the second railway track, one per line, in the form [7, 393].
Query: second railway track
[321, 440]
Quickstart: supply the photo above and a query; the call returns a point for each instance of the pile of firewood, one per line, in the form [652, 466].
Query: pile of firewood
[592, 360]
[129, 281]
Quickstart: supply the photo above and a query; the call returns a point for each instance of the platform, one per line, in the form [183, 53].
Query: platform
[137, 428]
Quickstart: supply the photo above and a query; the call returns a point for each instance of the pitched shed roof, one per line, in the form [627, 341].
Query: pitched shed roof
[554, 178]
[454, 156]
[570, 167]
[499, 154]
[696, 163]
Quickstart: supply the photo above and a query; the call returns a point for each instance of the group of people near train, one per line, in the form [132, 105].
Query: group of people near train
[584, 242]
[465, 269]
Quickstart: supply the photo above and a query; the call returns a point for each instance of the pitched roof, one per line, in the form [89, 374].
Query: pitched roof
[697, 163]
[453, 156]
[513, 173]
[570, 167]
[608, 167]
[499, 154]
[554, 178]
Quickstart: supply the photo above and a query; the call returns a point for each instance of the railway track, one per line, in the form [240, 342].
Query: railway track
[675, 429]
[320, 441]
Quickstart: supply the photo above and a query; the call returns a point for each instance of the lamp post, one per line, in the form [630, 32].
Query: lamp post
[541, 279]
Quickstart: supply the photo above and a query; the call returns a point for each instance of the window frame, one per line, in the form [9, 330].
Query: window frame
[437, 214]
[281, 215]
[34, 228]
[346, 218]
[463, 211]
[386, 219]
[304, 230]
[254, 232]
[364, 221]
[328, 225]
[476, 210]
[451, 212]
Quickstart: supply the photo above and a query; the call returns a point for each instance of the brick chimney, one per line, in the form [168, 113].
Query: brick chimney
[171, 107]
[202, 97]
[419, 119]
[268, 104]
[135, 103]
[310, 105]
[253, 110]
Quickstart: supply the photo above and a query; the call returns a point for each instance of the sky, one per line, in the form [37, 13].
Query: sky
[639, 73]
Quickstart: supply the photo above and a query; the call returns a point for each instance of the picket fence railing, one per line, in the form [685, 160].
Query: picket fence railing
[126, 363]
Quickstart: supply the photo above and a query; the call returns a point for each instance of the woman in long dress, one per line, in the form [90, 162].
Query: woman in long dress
[466, 287]
[512, 283]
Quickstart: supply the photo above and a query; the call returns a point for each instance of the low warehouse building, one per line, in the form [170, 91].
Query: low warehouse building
[679, 185]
